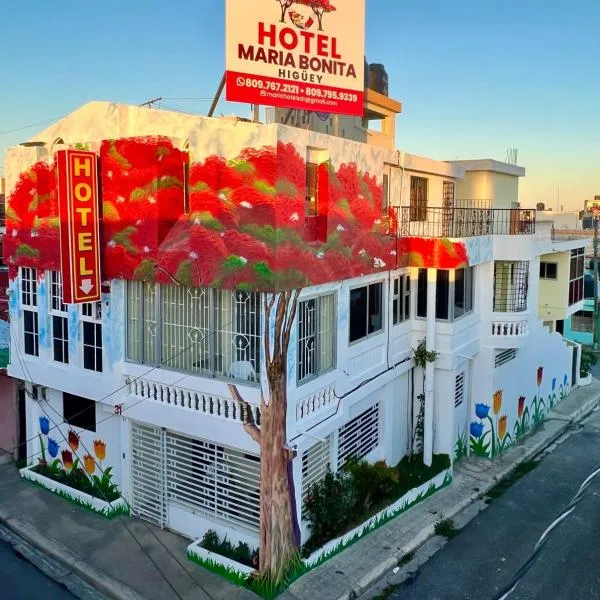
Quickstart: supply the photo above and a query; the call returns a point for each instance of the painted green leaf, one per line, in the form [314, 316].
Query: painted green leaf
[265, 188]
[27, 250]
[263, 271]
[207, 220]
[80, 146]
[114, 154]
[145, 270]
[109, 211]
[53, 222]
[415, 260]
[184, 273]
[167, 181]
[241, 166]
[37, 200]
[233, 263]
[12, 215]
[162, 151]
[286, 187]
[137, 194]
[122, 238]
[199, 186]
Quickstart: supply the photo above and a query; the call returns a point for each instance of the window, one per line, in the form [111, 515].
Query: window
[576, 276]
[511, 283]
[316, 336]
[60, 322]
[311, 207]
[503, 356]
[448, 194]
[401, 299]
[91, 320]
[588, 286]
[316, 462]
[196, 330]
[79, 412]
[31, 336]
[418, 198]
[459, 389]
[453, 299]
[385, 200]
[366, 311]
[359, 436]
[583, 321]
[548, 270]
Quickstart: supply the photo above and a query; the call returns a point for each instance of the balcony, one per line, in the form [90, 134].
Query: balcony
[436, 222]
[508, 330]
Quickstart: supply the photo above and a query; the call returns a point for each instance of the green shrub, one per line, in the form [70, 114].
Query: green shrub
[328, 506]
[240, 553]
[446, 528]
[588, 359]
[341, 501]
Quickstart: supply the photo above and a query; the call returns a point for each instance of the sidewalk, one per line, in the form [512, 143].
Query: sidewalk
[108, 556]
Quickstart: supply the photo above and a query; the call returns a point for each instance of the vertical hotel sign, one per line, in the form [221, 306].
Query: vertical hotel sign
[303, 54]
[79, 225]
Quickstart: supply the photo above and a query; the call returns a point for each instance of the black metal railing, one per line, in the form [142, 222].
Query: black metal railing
[463, 222]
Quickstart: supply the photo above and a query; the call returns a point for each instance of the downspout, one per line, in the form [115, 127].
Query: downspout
[429, 368]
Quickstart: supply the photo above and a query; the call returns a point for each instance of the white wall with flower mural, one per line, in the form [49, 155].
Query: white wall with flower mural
[523, 391]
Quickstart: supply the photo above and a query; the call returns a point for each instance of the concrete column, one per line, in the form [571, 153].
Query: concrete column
[429, 368]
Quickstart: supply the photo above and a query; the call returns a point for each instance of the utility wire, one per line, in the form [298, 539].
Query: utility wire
[56, 426]
[508, 589]
[7, 131]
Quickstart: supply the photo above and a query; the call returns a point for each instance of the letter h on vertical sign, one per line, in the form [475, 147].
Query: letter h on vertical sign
[78, 204]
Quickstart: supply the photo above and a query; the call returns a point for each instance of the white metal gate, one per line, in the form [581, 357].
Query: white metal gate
[171, 469]
[147, 473]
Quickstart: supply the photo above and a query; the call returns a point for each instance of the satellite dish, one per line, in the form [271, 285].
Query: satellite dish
[323, 116]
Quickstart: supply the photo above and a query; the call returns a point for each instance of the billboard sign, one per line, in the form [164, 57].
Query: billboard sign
[303, 54]
[78, 206]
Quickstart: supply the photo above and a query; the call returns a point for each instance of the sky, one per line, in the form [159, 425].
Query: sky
[475, 77]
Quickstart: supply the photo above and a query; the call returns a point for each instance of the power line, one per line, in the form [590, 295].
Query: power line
[508, 589]
[32, 125]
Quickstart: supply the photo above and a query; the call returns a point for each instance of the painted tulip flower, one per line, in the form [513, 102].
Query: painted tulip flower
[89, 463]
[67, 459]
[73, 441]
[482, 410]
[52, 448]
[502, 426]
[497, 401]
[565, 380]
[476, 429]
[553, 383]
[44, 425]
[100, 449]
[540, 375]
[521, 406]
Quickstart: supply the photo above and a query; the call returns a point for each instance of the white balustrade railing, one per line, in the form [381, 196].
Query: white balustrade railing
[503, 328]
[314, 403]
[210, 404]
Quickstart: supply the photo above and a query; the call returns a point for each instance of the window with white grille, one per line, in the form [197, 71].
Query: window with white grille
[59, 319]
[401, 299]
[316, 336]
[91, 322]
[459, 389]
[29, 300]
[503, 356]
[217, 481]
[197, 330]
[359, 436]
[316, 462]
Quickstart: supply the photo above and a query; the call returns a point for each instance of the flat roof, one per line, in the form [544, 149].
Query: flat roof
[489, 164]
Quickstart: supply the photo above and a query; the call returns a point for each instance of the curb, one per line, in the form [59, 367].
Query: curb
[70, 560]
[428, 532]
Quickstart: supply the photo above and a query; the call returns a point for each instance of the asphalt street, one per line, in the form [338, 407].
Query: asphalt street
[484, 555]
[20, 580]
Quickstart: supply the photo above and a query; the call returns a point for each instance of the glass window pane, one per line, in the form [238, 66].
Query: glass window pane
[375, 307]
[358, 313]
[422, 293]
[441, 299]
[459, 293]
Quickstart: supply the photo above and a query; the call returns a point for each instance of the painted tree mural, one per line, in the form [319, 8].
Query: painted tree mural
[279, 531]
[320, 8]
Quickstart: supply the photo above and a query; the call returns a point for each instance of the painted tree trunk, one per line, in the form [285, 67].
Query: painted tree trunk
[277, 532]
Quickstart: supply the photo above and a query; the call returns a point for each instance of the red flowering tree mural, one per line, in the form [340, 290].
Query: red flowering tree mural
[285, 4]
[319, 7]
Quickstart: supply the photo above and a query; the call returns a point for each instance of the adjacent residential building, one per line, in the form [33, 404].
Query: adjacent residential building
[203, 221]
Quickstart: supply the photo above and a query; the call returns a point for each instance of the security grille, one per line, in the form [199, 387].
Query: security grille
[147, 473]
[359, 436]
[459, 389]
[511, 282]
[217, 481]
[315, 463]
[504, 356]
[583, 321]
